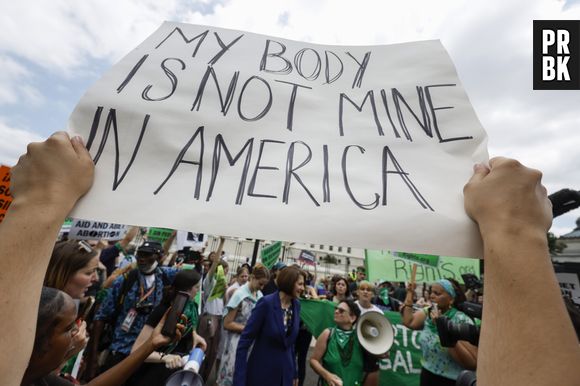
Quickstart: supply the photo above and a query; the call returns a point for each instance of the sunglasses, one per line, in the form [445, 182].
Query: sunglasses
[341, 311]
[84, 246]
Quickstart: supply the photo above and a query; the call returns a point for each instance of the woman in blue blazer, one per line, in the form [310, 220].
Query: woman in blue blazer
[272, 330]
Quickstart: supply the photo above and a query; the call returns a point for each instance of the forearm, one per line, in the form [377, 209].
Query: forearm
[465, 354]
[319, 369]
[129, 236]
[27, 237]
[122, 371]
[96, 333]
[168, 242]
[234, 327]
[154, 357]
[519, 276]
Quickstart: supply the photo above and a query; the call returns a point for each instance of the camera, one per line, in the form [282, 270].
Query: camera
[450, 333]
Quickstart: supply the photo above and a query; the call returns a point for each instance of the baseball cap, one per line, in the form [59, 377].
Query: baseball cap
[151, 247]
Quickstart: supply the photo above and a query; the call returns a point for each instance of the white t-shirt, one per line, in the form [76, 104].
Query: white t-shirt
[371, 308]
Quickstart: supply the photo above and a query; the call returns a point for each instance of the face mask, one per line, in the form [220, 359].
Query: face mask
[148, 271]
[384, 295]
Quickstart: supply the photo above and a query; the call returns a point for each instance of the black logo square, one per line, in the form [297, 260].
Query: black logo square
[556, 55]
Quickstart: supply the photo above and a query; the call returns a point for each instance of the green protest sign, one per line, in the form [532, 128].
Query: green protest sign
[383, 265]
[270, 254]
[159, 234]
[404, 363]
[432, 260]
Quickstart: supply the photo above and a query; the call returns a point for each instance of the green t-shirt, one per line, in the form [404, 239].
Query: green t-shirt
[344, 357]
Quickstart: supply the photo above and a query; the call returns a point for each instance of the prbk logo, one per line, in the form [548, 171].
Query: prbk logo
[556, 54]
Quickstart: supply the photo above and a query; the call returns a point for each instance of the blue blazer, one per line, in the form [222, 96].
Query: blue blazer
[271, 360]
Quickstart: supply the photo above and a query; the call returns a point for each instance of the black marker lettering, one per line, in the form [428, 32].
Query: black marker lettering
[94, 127]
[252, 185]
[201, 38]
[291, 172]
[179, 160]
[286, 69]
[362, 66]
[384, 98]
[132, 73]
[370, 95]
[172, 79]
[290, 116]
[435, 125]
[298, 60]
[217, 151]
[387, 154]
[370, 206]
[327, 76]
[425, 125]
[112, 121]
[266, 108]
[401, 265]
[224, 48]
[325, 179]
[225, 104]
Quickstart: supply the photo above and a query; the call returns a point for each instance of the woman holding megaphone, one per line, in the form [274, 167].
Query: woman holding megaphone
[338, 357]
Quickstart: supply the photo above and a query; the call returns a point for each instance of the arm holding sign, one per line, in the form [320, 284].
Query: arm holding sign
[46, 184]
[513, 213]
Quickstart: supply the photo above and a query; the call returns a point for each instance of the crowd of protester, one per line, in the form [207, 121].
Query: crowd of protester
[99, 316]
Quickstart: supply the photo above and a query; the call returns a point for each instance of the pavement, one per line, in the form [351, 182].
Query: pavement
[310, 380]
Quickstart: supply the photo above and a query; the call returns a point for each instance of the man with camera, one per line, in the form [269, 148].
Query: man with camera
[128, 305]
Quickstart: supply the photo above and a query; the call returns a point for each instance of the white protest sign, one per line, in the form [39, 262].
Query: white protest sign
[94, 230]
[569, 285]
[239, 134]
[195, 241]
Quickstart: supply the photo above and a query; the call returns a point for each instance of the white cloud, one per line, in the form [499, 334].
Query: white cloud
[14, 86]
[12, 149]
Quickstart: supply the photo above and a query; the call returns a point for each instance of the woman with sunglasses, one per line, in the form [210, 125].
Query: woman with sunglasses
[73, 269]
[338, 357]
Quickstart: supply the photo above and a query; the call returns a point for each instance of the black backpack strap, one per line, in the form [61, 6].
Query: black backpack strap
[129, 278]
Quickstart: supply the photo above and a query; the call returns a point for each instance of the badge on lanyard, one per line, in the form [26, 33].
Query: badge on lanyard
[129, 320]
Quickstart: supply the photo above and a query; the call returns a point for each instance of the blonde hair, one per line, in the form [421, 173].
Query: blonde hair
[260, 272]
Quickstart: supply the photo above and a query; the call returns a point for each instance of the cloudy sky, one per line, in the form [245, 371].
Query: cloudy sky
[52, 51]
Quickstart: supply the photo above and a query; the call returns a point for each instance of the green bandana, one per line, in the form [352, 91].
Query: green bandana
[384, 295]
[449, 314]
[345, 340]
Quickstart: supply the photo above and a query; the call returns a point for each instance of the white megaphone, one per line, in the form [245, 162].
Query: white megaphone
[375, 333]
[188, 376]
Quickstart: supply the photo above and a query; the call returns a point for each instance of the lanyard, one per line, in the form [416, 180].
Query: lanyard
[149, 292]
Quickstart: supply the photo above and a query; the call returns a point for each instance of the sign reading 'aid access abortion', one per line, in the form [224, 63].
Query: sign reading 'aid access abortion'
[240, 134]
[94, 230]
